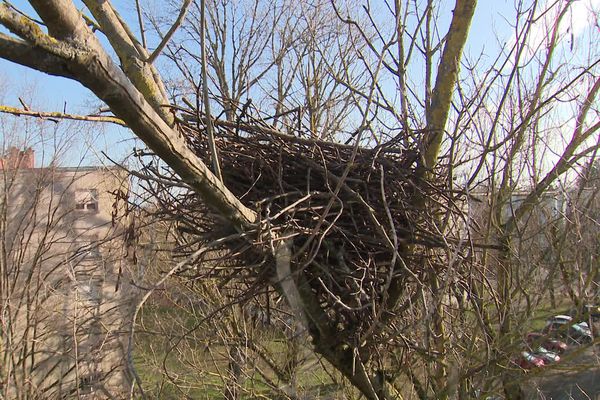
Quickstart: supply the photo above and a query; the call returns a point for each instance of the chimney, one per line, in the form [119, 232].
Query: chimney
[18, 159]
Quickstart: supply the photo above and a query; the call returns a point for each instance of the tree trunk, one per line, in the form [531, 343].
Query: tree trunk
[234, 377]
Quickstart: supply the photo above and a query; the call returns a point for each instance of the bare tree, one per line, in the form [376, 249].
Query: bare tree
[367, 240]
[62, 311]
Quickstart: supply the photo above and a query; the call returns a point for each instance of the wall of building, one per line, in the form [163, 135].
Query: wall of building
[62, 284]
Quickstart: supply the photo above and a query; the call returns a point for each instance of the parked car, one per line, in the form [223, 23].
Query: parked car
[527, 360]
[587, 311]
[548, 356]
[580, 333]
[557, 323]
[554, 345]
[591, 311]
[563, 326]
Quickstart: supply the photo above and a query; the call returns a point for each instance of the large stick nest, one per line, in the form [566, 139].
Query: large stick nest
[350, 211]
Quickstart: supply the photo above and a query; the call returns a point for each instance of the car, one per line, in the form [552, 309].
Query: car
[592, 312]
[580, 333]
[527, 360]
[588, 311]
[557, 323]
[563, 326]
[554, 345]
[548, 356]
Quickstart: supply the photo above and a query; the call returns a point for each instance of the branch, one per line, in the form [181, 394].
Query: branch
[209, 123]
[566, 160]
[138, 8]
[23, 53]
[141, 74]
[62, 18]
[59, 115]
[447, 75]
[30, 32]
[89, 64]
[171, 32]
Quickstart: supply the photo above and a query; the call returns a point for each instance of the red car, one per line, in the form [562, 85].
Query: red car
[549, 357]
[540, 339]
[527, 360]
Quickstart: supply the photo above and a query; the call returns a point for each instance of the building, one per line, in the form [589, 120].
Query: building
[66, 307]
[556, 244]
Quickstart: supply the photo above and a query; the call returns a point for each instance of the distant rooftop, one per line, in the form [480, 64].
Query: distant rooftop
[15, 158]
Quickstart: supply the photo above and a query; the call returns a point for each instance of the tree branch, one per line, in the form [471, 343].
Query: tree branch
[59, 115]
[138, 71]
[62, 18]
[21, 52]
[565, 162]
[29, 31]
[138, 9]
[171, 32]
[207, 114]
[93, 68]
[447, 75]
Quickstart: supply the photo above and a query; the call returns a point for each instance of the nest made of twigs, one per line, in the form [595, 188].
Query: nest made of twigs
[350, 212]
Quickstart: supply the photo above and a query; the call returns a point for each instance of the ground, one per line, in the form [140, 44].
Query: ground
[578, 378]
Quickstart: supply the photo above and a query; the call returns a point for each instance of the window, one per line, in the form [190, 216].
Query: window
[89, 381]
[87, 248]
[86, 200]
[89, 289]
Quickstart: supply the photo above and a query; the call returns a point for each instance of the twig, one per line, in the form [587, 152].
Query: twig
[52, 116]
[170, 33]
[209, 123]
[138, 9]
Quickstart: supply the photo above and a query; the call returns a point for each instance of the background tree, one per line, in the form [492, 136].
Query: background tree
[61, 318]
[447, 126]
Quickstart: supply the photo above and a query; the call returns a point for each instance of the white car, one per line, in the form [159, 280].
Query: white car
[546, 355]
[580, 333]
[557, 322]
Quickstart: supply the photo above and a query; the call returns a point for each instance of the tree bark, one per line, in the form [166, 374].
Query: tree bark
[447, 75]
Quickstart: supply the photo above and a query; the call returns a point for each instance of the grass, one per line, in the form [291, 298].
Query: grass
[196, 367]
[543, 313]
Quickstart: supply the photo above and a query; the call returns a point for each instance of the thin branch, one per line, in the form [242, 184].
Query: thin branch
[171, 32]
[53, 116]
[209, 122]
[138, 8]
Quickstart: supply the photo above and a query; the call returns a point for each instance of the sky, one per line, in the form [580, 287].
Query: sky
[491, 21]
[60, 94]
[59, 90]
[54, 93]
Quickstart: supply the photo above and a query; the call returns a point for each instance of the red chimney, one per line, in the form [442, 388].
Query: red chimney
[15, 159]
